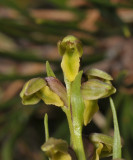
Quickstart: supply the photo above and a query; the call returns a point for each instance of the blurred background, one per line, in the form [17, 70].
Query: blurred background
[29, 32]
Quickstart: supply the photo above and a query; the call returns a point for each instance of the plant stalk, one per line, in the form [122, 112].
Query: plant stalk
[75, 130]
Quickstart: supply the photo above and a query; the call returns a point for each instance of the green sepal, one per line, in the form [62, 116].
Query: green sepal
[94, 89]
[34, 85]
[56, 149]
[49, 70]
[93, 73]
[91, 107]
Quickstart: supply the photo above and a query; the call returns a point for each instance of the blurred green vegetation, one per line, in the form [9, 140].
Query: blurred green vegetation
[29, 32]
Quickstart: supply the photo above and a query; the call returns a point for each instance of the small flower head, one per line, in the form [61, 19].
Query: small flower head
[38, 89]
[56, 149]
[98, 86]
[103, 145]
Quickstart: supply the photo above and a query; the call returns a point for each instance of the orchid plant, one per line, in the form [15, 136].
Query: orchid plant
[79, 101]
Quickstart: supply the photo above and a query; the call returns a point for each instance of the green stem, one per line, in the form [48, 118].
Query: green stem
[117, 139]
[76, 138]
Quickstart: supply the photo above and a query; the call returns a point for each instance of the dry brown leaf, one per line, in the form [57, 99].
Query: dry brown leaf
[89, 22]
[8, 13]
[12, 90]
[99, 120]
[31, 68]
[25, 151]
[126, 15]
[50, 14]
[76, 3]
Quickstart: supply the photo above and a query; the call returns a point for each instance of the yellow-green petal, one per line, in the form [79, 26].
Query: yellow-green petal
[70, 64]
[49, 97]
[91, 107]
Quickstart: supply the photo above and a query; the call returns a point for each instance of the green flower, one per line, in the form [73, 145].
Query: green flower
[98, 86]
[56, 149]
[71, 50]
[38, 89]
[103, 145]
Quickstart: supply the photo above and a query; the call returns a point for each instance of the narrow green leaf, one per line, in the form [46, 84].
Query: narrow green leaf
[117, 139]
[77, 101]
[49, 70]
[77, 116]
[46, 127]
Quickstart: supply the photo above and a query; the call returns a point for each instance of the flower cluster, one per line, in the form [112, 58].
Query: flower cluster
[78, 101]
